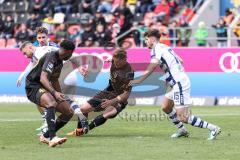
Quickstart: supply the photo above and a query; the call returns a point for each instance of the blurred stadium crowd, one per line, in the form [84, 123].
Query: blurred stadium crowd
[93, 23]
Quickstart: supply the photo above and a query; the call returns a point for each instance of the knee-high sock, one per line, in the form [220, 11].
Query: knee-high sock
[59, 124]
[198, 122]
[78, 112]
[50, 118]
[99, 120]
[173, 116]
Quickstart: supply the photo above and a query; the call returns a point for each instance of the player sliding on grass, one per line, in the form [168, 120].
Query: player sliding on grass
[177, 100]
[113, 99]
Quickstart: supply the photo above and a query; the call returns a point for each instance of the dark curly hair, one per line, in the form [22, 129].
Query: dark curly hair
[67, 45]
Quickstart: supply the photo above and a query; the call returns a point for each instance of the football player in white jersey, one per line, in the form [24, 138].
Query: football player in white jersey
[177, 100]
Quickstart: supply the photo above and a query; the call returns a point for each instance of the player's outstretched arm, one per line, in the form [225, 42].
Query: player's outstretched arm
[147, 73]
[26, 70]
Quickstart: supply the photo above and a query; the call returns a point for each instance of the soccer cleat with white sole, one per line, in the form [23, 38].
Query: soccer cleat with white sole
[85, 127]
[76, 133]
[43, 139]
[180, 133]
[214, 133]
[56, 141]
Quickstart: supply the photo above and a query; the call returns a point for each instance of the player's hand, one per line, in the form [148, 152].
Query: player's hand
[134, 82]
[19, 82]
[83, 71]
[59, 96]
[106, 103]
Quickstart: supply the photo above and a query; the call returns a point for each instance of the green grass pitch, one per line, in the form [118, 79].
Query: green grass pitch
[140, 133]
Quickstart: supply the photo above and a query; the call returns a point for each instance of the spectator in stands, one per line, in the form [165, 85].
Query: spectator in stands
[38, 6]
[8, 28]
[221, 30]
[2, 26]
[172, 30]
[163, 30]
[201, 34]
[22, 35]
[88, 35]
[63, 6]
[99, 19]
[153, 5]
[102, 36]
[173, 7]
[184, 33]
[142, 28]
[105, 6]
[236, 31]
[162, 10]
[49, 23]
[229, 16]
[115, 31]
[142, 6]
[77, 33]
[131, 5]
[78, 42]
[34, 21]
[75, 5]
[87, 6]
[125, 20]
[136, 34]
[89, 42]
[62, 33]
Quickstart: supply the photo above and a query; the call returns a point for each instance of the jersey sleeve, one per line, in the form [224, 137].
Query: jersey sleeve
[26, 70]
[48, 65]
[156, 55]
[129, 77]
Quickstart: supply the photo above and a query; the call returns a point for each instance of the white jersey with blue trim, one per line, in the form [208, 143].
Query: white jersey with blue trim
[170, 64]
[41, 51]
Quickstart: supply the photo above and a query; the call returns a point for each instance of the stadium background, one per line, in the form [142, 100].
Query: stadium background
[141, 131]
[123, 24]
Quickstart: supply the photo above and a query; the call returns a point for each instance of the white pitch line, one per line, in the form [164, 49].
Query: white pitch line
[19, 120]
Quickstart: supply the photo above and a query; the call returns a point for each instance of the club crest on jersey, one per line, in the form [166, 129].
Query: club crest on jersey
[41, 90]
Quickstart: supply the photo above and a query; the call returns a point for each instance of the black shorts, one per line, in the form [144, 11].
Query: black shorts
[34, 93]
[96, 101]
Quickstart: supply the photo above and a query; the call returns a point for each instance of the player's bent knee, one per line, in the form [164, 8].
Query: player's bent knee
[111, 114]
[183, 118]
[85, 108]
[53, 103]
[47, 100]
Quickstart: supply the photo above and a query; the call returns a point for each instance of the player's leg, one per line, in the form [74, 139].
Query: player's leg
[47, 100]
[110, 112]
[82, 119]
[168, 108]
[43, 127]
[185, 116]
[85, 109]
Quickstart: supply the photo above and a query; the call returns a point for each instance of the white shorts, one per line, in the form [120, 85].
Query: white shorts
[71, 79]
[180, 95]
